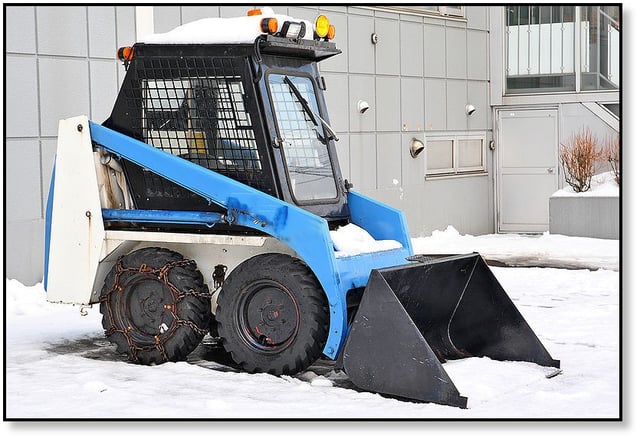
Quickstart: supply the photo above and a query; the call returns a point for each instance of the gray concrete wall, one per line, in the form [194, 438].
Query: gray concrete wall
[590, 217]
[60, 62]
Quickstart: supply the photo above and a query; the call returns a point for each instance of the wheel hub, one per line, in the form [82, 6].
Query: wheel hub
[270, 317]
[146, 300]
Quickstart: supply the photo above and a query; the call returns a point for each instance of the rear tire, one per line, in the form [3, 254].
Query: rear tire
[155, 306]
[272, 315]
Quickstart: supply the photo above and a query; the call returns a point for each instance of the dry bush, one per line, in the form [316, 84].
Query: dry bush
[579, 158]
[612, 155]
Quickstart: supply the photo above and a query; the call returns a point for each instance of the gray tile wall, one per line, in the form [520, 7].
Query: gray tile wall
[417, 80]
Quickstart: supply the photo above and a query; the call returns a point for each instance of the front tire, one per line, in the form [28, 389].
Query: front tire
[155, 306]
[273, 315]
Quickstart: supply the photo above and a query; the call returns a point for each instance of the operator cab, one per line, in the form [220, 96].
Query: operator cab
[242, 97]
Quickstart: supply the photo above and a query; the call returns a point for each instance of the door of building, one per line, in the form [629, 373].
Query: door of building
[527, 171]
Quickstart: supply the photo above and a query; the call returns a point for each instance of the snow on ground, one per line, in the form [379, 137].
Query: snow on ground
[526, 250]
[59, 365]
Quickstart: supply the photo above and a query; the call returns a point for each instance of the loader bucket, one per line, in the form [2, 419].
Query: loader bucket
[413, 318]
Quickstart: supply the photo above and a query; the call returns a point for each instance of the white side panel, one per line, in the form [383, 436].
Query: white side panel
[77, 231]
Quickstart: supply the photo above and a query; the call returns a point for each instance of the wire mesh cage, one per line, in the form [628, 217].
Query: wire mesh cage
[200, 109]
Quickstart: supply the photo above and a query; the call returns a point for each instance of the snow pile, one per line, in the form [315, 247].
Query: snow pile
[544, 250]
[602, 185]
[351, 240]
[237, 30]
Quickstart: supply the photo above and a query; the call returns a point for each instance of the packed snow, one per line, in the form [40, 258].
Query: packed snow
[236, 30]
[59, 365]
[353, 240]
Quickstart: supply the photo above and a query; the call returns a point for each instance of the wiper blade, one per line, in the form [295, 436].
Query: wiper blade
[312, 114]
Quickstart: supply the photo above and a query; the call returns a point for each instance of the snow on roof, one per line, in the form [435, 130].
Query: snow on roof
[237, 30]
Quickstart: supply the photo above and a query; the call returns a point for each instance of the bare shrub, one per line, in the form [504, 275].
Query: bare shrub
[612, 155]
[579, 158]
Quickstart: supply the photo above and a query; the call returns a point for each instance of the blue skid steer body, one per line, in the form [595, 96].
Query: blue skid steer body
[211, 202]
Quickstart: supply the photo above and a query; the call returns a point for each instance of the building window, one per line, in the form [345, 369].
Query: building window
[455, 155]
[600, 47]
[547, 47]
[540, 48]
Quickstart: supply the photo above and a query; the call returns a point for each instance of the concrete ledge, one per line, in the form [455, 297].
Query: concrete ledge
[587, 216]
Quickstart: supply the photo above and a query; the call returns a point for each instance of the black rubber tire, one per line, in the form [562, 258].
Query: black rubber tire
[142, 307]
[273, 315]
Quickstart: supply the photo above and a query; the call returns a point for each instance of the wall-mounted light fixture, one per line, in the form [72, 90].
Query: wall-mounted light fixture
[469, 109]
[416, 147]
[363, 106]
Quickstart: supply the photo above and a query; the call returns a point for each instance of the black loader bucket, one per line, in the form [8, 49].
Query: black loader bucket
[412, 318]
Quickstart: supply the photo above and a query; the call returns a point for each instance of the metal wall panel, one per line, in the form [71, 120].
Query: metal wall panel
[64, 91]
[477, 18]
[387, 54]
[434, 51]
[412, 104]
[478, 96]
[194, 13]
[435, 104]
[361, 51]
[166, 18]
[389, 166]
[412, 168]
[477, 55]
[362, 158]
[305, 13]
[22, 174]
[24, 241]
[102, 37]
[126, 26]
[411, 49]
[456, 102]
[21, 96]
[20, 32]
[456, 53]
[387, 103]
[338, 63]
[362, 87]
[336, 96]
[104, 88]
[62, 30]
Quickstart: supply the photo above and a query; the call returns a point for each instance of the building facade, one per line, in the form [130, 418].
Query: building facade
[490, 91]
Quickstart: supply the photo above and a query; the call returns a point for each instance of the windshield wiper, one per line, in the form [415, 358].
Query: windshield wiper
[312, 114]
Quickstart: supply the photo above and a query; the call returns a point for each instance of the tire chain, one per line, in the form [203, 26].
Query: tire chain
[176, 294]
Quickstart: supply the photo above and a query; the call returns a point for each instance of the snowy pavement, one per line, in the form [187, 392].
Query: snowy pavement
[58, 365]
[544, 250]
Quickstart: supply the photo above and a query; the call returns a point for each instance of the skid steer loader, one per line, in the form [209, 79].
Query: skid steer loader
[211, 200]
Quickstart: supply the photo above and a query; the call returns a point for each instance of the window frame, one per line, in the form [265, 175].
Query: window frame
[456, 170]
[299, 201]
[573, 79]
